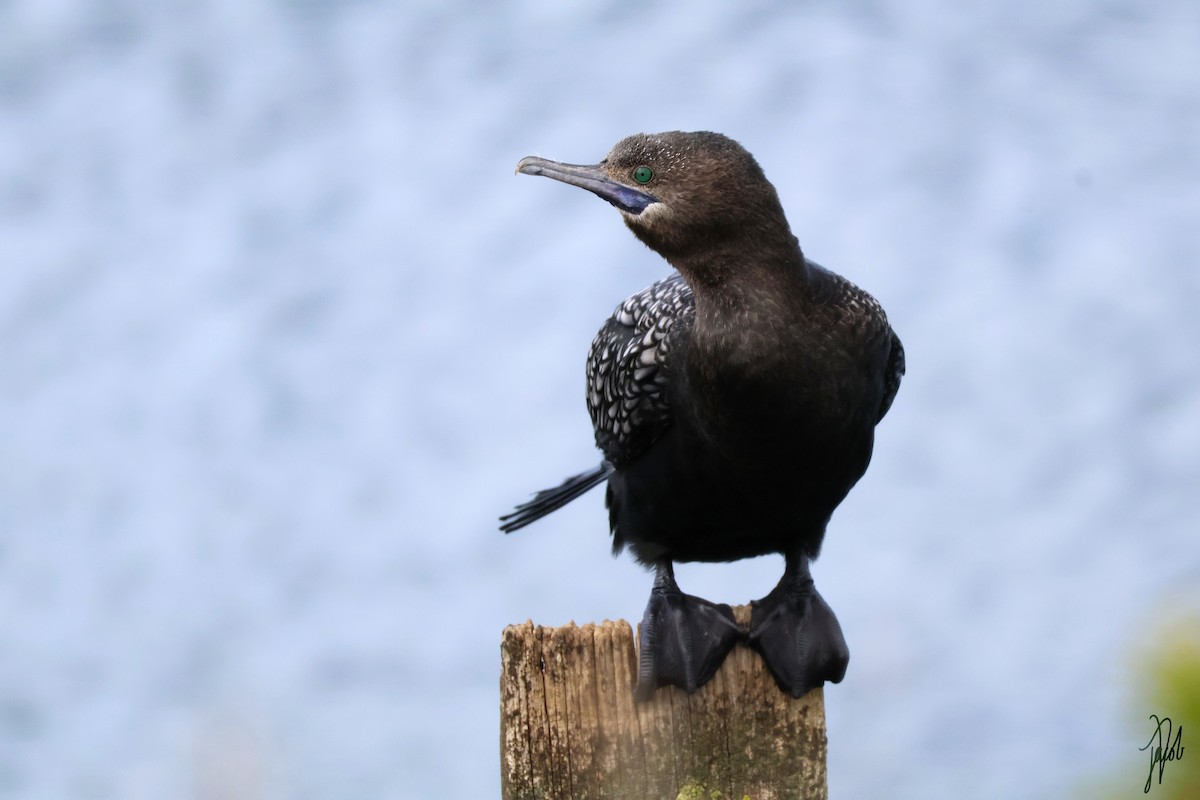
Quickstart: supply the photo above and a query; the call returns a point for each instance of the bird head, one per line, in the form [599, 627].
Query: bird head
[678, 192]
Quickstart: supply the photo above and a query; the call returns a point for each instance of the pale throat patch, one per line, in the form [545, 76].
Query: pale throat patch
[653, 215]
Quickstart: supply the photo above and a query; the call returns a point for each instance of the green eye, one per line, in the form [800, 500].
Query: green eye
[643, 174]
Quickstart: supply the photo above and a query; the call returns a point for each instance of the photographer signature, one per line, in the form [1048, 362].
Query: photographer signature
[1158, 755]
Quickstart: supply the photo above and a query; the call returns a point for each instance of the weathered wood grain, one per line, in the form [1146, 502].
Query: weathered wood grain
[570, 729]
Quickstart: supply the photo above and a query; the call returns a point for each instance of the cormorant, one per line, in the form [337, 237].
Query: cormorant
[735, 403]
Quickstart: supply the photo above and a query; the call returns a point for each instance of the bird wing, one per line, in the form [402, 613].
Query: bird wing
[892, 375]
[869, 313]
[629, 367]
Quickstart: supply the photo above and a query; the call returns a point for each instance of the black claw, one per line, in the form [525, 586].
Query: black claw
[798, 636]
[683, 638]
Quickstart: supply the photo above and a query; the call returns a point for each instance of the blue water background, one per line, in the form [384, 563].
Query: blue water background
[281, 334]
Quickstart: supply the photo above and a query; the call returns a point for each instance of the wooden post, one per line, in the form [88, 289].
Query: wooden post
[570, 729]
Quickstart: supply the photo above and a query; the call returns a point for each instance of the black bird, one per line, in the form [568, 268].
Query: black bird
[735, 403]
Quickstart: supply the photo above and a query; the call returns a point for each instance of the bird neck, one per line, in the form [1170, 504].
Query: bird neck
[740, 280]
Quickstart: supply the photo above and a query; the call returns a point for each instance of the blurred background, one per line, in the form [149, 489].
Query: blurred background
[281, 335]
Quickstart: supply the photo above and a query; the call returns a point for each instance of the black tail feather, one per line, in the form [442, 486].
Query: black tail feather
[548, 500]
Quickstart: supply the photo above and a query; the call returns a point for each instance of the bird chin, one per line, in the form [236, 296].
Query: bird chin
[653, 214]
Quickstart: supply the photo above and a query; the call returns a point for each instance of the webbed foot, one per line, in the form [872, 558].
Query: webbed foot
[683, 638]
[797, 634]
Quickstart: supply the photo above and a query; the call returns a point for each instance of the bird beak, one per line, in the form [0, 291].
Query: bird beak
[592, 178]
